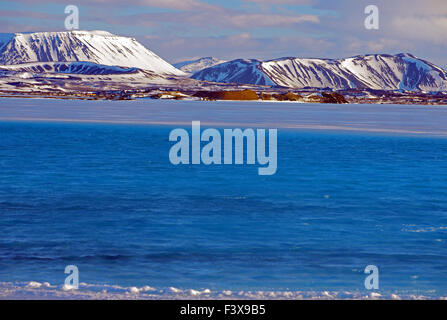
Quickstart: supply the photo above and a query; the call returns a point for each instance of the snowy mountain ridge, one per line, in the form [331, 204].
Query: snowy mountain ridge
[380, 72]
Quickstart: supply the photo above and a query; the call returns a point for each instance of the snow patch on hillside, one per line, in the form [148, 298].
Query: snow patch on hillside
[194, 66]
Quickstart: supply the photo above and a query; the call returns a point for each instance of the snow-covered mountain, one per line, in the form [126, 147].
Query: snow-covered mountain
[241, 71]
[97, 47]
[102, 53]
[194, 66]
[380, 71]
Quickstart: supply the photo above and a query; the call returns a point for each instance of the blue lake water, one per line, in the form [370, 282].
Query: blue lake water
[105, 197]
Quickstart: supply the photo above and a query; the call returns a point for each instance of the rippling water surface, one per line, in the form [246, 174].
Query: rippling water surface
[105, 198]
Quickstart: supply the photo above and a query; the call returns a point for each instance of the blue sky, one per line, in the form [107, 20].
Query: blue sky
[265, 29]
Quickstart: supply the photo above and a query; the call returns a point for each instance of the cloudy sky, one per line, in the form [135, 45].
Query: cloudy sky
[265, 29]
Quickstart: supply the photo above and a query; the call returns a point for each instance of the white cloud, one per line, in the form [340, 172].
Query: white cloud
[426, 28]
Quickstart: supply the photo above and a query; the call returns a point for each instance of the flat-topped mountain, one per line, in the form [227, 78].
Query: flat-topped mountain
[98, 47]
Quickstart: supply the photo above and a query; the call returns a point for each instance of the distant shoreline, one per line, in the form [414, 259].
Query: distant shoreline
[243, 93]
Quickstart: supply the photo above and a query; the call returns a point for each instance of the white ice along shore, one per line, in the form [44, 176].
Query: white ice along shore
[211, 153]
[33, 290]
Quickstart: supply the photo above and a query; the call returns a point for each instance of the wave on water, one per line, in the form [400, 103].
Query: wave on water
[46, 291]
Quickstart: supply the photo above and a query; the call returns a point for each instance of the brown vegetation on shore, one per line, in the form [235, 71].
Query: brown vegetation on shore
[227, 95]
[333, 97]
[247, 95]
[289, 96]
